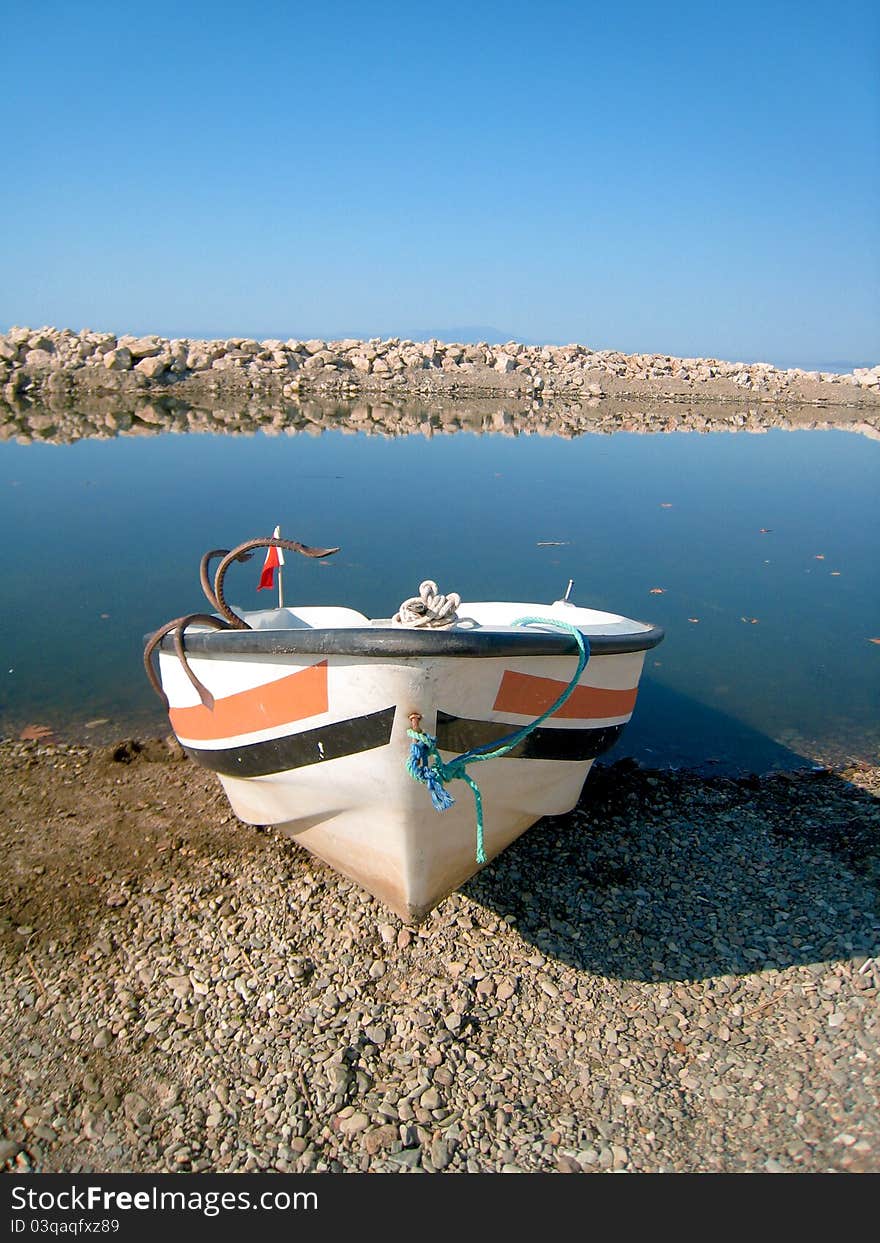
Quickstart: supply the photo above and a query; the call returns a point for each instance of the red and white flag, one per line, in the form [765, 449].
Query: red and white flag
[274, 559]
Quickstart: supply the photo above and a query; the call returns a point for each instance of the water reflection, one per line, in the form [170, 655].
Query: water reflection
[58, 421]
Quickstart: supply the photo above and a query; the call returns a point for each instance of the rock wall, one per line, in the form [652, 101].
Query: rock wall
[38, 362]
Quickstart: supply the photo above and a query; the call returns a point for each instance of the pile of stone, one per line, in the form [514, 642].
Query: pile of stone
[57, 360]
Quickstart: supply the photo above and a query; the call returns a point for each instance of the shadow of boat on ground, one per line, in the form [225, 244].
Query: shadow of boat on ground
[673, 875]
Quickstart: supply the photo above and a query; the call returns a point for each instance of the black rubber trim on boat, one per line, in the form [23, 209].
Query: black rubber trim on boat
[310, 746]
[394, 642]
[455, 733]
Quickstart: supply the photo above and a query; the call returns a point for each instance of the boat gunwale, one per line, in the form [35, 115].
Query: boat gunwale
[383, 643]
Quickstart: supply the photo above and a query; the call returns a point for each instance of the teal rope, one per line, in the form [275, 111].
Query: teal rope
[425, 765]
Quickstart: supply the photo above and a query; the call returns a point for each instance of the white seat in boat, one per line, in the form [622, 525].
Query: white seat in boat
[309, 617]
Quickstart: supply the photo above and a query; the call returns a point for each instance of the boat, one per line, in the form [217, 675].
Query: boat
[346, 732]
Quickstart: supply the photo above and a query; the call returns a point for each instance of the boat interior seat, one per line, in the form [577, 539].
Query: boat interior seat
[309, 617]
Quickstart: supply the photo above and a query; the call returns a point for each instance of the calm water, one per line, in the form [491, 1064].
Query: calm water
[103, 540]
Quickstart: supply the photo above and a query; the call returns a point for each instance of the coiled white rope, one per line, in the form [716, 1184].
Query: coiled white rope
[429, 610]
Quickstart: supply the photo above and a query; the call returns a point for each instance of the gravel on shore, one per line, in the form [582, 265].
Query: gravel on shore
[680, 975]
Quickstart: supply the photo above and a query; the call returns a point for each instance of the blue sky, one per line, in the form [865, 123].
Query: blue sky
[691, 178]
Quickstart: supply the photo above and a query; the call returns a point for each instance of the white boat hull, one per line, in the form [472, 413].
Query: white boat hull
[317, 745]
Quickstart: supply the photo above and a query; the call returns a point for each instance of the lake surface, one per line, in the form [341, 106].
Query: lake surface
[764, 548]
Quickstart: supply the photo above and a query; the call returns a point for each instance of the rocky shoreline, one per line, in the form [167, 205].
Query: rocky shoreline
[39, 363]
[680, 975]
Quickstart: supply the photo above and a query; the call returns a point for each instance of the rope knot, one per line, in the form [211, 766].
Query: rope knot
[423, 748]
[429, 610]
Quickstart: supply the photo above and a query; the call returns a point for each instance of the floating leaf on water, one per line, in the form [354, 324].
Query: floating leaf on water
[36, 733]
[657, 591]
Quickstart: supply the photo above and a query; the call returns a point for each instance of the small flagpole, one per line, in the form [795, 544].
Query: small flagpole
[280, 575]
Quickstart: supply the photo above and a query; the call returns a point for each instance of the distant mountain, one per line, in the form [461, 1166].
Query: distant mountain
[840, 366]
[463, 335]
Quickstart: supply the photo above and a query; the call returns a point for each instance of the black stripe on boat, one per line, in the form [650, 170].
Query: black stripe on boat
[455, 733]
[390, 643]
[310, 746]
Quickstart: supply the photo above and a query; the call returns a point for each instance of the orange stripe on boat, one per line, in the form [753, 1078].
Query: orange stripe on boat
[291, 698]
[527, 695]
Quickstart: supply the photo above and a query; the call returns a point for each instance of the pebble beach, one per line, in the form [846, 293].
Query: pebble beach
[680, 975]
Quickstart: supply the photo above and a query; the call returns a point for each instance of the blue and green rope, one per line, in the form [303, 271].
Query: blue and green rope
[425, 765]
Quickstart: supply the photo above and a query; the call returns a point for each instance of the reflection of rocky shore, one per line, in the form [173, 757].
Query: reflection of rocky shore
[36, 363]
[59, 419]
